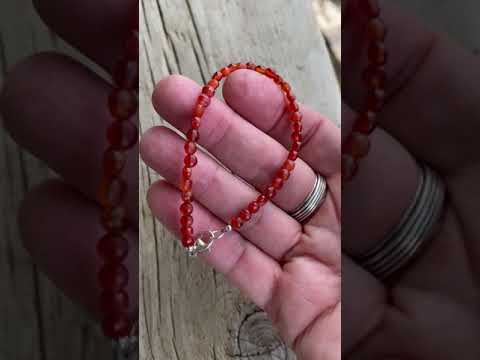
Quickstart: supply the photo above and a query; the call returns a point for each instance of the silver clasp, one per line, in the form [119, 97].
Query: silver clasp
[205, 240]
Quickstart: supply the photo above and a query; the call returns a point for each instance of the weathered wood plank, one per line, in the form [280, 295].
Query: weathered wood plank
[187, 310]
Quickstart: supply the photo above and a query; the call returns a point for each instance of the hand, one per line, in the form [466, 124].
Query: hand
[290, 271]
[57, 109]
[430, 310]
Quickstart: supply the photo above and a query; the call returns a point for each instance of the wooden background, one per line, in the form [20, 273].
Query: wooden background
[187, 310]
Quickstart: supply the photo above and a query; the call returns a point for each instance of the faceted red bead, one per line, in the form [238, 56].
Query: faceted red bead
[271, 74]
[245, 215]
[296, 117]
[203, 100]
[125, 74]
[291, 97]
[208, 90]
[260, 69]
[277, 183]
[236, 222]
[370, 7]
[188, 241]
[196, 123]
[253, 207]
[187, 196]
[113, 277]
[289, 165]
[251, 66]
[113, 248]
[293, 155]
[122, 135]
[114, 302]
[213, 84]
[297, 127]
[375, 100]
[217, 76]
[376, 29]
[123, 103]
[113, 162]
[116, 326]
[270, 192]
[186, 208]
[375, 76]
[187, 173]
[293, 106]
[349, 167]
[190, 160]
[186, 220]
[190, 147]
[296, 136]
[261, 200]
[198, 110]
[225, 71]
[131, 45]
[193, 135]
[285, 87]
[115, 219]
[377, 53]
[357, 145]
[186, 185]
[283, 174]
[186, 231]
[366, 122]
[296, 145]
[111, 192]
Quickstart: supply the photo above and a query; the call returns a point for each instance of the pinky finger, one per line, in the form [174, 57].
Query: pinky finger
[235, 257]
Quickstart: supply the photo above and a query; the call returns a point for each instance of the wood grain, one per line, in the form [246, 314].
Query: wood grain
[188, 311]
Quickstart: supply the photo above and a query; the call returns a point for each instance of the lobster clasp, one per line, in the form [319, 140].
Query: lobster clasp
[205, 240]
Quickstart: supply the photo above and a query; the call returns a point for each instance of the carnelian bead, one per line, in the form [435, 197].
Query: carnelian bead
[186, 231]
[213, 83]
[296, 145]
[113, 277]
[122, 135]
[193, 134]
[190, 147]
[261, 200]
[113, 162]
[375, 99]
[289, 165]
[113, 248]
[370, 7]
[116, 325]
[270, 192]
[111, 191]
[277, 183]
[375, 76]
[115, 219]
[186, 208]
[225, 71]
[114, 302]
[198, 110]
[123, 103]
[357, 145]
[365, 123]
[297, 127]
[131, 45]
[125, 74]
[260, 69]
[188, 241]
[349, 167]
[291, 97]
[245, 215]
[196, 123]
[253, 207]
[187, 196]
[376, 29]
[236, 222]
[190, 161]
[187, 173]
[203, 100]
[186, 220]
[285, 87]
[186, 185]
[296, 117]
[271, 74]
[293, 155]
[217, 76]
[251, 66]
[283, 174]
[293, 106]
[208, 90]
[296, 136]
[377, 54]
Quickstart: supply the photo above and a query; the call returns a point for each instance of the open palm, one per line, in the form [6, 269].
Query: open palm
[289, 270]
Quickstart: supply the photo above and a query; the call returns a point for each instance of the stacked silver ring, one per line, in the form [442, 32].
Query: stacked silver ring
[312, 202]
[406, 239]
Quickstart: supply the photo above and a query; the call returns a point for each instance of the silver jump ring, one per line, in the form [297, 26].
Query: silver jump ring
[405, 241]
[312, 202]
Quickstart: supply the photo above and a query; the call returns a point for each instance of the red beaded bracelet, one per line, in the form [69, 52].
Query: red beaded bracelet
[357, 144]
[203, 241]
[122, 135]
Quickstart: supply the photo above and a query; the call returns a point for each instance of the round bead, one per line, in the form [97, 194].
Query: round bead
[123, 103]
[186, 231]
[293, 155]
[116, 325]
[296, 117]
[186, 208]
[113, 248]
[297, 127]
[193, 135]
[289, 165]
[213, 84]
[113, 277]
[285, 87]
[190, 147]
[377, 54]
[198, 110]
[203, 100]
[365, 123]
[357, 145]
[296, 136]
[187, 196]
[188, 241]
[208, 90]
[283, 174]
[277, 183]
[111, 192]
[261, 200]
[225, 71]
[375, 100]
[113, 162]
[375, 76]
[376, 29]
[125, 74]
[114, 302]
[195, 122]
[190, 161]
[260, 69]
[187, 173]
[186, 185]
[114, 219]
[270, 192]
[122, 135]
[245, 215]
[349, 167]
[236, 222]
[186, 220]
[217, 76]
[251, 66]
[253, 207]
[293, 106]
[296, 145]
